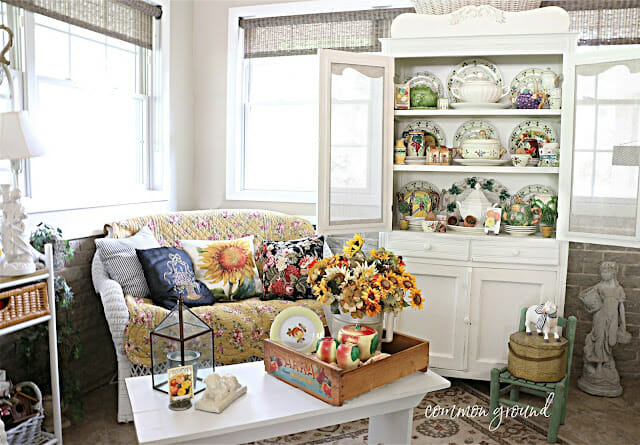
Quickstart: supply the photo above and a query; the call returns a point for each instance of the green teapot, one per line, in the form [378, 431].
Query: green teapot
[522, 214]
[422, 96]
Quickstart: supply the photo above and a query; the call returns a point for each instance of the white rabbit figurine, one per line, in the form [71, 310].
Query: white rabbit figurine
[545, 319]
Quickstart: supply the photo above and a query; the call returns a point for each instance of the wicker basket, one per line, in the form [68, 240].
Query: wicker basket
[23, 303]
[531, 358]
[29, 431]
[438, 7]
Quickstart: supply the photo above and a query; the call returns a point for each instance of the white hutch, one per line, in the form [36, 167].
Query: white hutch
[474, 284]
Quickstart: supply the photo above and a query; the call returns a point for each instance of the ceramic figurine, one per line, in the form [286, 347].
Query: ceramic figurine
[221, 392]
[531, 101]
[326, 349]
[18, 253]
[400, 152]
[348, 356]
[605, 301]
[365, 337]
[544, 317]
[528, 146]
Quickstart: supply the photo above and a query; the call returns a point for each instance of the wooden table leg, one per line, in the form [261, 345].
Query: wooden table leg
[392, 428]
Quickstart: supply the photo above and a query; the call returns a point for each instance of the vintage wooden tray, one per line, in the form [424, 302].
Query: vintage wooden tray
[329, 383]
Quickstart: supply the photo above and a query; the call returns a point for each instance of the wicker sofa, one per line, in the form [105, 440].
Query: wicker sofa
[239, 327]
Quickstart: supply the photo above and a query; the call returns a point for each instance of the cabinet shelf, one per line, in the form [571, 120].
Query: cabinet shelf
[476, 169]
[487, 112]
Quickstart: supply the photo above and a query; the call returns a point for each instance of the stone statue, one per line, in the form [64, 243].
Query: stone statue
[605, 301]
[220, 392]
[18, 253]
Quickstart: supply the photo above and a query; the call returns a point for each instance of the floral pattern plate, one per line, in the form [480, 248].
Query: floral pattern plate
[541, 130]
[526, 80]
[430, 128]
[428, 79]
[298, 328]
[473, 69]
[532, 192]
[420, 189]
[472, 129]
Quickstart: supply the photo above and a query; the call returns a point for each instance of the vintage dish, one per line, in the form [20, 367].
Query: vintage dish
[519, 230]
[533, 192]
[541, 130]
[479, 91]
[475, 69]
[429, 226]
[298, 328]
[423, 187]
[526, 80]
[481, 147]
[433, 133]
[422, 96]
[493, 190]
[415, 160]
[520, 160]
[462, 229]
[428, 79]
[475, 162]
[471, 129]
[531, 101]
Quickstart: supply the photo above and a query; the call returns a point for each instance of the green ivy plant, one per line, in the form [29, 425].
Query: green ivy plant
[33, 346]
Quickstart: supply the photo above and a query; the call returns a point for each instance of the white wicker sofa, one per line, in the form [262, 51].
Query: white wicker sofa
[123, 312]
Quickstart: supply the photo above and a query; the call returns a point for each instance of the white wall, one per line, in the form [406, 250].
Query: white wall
[210, 86]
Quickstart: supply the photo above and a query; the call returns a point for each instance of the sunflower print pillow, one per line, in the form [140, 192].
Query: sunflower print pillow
[226, 267]
[285, 267]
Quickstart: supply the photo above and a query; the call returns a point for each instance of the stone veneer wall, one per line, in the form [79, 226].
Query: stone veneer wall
[98, 362]
[583, 272]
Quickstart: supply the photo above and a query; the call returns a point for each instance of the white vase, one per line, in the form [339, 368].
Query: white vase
[383, 324]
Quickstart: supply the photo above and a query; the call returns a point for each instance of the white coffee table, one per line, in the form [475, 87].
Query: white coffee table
[272, 408]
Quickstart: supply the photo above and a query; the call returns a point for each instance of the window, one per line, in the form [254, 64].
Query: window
[89, 99]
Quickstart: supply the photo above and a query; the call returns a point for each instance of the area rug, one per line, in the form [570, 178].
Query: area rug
[442, 429]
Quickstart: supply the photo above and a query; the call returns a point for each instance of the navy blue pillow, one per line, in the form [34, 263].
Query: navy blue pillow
[169, 274]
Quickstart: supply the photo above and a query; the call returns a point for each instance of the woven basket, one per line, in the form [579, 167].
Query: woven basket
[23, 303]
[531, 358]
[29, 431]
[439, 7]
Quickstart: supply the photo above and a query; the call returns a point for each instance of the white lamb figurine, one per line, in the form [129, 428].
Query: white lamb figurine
[220, 392]
[545, 319]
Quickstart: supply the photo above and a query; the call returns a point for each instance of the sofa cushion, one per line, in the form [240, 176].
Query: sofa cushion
[169, 274]
[121, 262]
[285, 267]
[227, 267]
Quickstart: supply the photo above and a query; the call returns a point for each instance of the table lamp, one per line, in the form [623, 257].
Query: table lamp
[17, 142]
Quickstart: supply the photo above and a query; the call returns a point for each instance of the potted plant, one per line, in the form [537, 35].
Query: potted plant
[404, 208]
[548, 217]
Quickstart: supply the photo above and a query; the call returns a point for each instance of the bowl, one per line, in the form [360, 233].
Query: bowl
[479, 148]
[429, 226]
[520, 160]
[479, 91]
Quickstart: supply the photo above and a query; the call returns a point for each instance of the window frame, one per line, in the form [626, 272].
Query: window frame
[236, 88]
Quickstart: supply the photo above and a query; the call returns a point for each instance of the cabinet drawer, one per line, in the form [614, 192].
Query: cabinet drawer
[424, 245]
[517, 253]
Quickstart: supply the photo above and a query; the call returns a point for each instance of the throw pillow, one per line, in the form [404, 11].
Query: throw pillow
[226, 267]
[285, 267]
[121, 262]
[169, 274]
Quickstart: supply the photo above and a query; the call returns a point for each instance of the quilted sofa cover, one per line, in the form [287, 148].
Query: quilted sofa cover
[239, 327]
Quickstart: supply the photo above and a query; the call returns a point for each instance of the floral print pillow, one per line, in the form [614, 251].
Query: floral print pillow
[227, 267]
[285, 267]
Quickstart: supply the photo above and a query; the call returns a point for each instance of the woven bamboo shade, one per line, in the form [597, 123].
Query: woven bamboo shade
[357, 31]
[603, 22]
[128, 20]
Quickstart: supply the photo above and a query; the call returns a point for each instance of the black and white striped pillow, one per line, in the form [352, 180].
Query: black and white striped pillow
[122, 264]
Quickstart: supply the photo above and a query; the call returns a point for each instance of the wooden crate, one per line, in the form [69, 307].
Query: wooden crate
[23, 303]
[329, 383]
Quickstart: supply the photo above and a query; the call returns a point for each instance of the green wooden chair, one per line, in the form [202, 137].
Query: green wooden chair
[515, 385]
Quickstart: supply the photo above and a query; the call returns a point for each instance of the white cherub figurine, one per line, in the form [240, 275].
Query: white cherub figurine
[220, 392]
[545, 319]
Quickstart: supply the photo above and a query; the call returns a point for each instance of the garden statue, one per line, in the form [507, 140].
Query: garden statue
[221, 392]
[18, 253]
[605, 301]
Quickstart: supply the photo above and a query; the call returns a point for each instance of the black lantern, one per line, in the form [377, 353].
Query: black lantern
[181, 339]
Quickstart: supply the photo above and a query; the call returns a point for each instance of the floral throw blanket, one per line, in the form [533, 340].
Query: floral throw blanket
[238, 328]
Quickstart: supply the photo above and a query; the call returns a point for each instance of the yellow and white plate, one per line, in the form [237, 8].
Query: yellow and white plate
[298, 328]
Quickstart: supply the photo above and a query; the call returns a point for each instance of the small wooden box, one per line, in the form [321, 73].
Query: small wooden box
[329, 383]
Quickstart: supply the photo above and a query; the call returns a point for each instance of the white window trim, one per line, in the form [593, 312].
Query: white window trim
[235, 76]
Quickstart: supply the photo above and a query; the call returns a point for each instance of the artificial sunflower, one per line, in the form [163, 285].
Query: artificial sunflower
[353, 246]
[384, 283]
[416, 299]
[227, 262]
[380, 255]
[408, 281]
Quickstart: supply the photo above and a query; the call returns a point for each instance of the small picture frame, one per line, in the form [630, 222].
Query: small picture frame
[180, 382]
[402, 96]
[492, 220]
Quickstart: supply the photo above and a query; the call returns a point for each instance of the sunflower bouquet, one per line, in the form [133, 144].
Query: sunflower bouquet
[361, 283]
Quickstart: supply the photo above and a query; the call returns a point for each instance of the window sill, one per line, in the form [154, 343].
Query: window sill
[273, 196]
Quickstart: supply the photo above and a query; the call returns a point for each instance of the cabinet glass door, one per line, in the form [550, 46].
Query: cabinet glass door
[356, 137]
[603, 204]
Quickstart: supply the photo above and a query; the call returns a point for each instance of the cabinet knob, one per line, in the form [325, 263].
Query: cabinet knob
[427, 246]
[467, 320]
[515, 252]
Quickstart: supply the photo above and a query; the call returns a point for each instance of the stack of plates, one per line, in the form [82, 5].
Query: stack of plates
[520, 230]
[415, 222]
[415, 160]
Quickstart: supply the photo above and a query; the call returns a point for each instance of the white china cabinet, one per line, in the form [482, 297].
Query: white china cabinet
[474, 284]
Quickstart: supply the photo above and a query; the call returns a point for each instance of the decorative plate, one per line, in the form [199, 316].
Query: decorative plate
[415, 160]
[472, 129]
[541, 130]
[298, 328]
[473, 69]
[428, 79]
[463, 229]
[532, 192]
[430, 128]
[415, 193]
[526, 80]
[474, 162]
[479, 105]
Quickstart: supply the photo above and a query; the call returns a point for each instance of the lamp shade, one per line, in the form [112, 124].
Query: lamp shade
[628, 155]
[17, 137]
